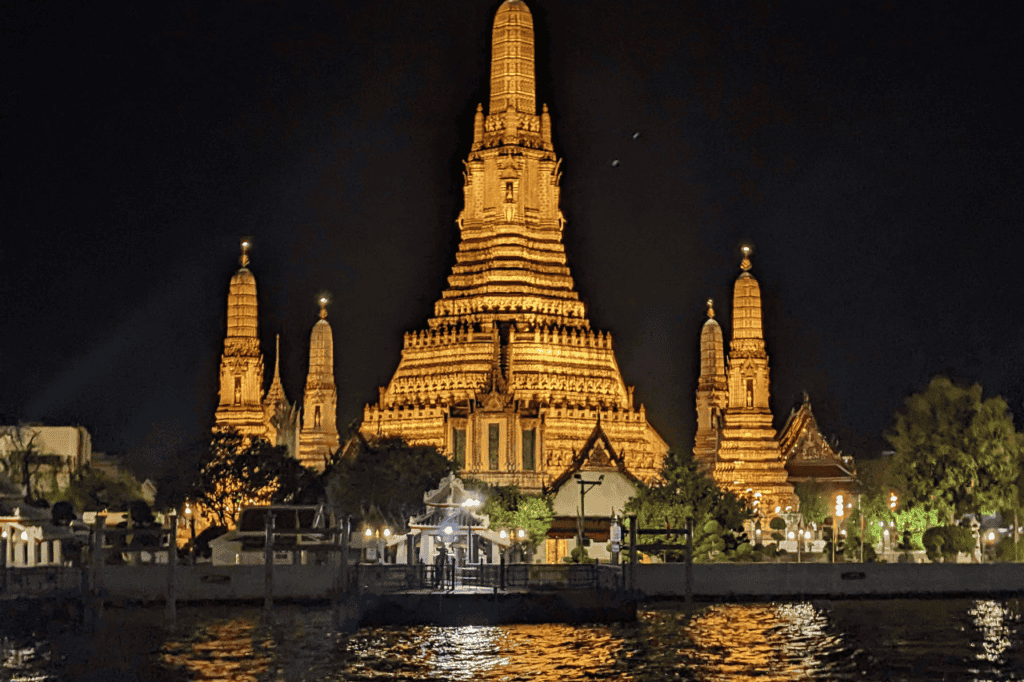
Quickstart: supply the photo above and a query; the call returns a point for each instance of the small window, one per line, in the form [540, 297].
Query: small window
[459, 446]
[529, 443]
[493, 434]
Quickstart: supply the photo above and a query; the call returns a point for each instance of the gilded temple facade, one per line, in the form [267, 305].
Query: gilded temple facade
[508, 378]
[311, 434]
[735, 439]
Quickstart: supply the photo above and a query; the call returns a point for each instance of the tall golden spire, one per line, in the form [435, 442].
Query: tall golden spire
[512, 80]
[241, 367]
[712, 390]
[318, 439]
[275, 393]
[748, 457]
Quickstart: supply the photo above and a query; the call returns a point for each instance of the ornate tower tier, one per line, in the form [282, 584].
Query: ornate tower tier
[318, 439]
[749, 460]
[241, 364]
[508, 377]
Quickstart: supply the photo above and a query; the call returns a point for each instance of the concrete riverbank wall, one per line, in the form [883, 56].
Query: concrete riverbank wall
[206, 582]
[652, 581]
[781, 581]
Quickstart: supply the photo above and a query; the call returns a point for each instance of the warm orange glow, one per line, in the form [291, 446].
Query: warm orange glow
[515, 352]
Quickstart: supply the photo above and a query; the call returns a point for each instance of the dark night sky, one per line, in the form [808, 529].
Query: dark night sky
[871, 153]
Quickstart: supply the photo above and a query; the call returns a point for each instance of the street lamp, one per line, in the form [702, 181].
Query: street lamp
[584, 487]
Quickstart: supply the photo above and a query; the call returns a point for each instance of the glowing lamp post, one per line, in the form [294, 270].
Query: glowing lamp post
[382, 534]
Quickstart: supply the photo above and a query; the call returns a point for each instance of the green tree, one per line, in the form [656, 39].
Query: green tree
[231, 473]
[384, 480]
[814, 503]
[93, 490]
[687, 493]
[955, 453]
[509, 508]
[943, 543]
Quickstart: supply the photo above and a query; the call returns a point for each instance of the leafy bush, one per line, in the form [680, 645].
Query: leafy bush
[579, 556]
[943, 543]
[1005, 550]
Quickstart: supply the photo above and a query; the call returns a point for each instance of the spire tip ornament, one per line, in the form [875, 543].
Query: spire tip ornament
[711, 309]
[246, 245]
[745, 264]
[323, 301]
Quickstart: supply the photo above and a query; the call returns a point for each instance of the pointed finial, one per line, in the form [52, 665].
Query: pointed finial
[277, 358]
[745, 263]
[246, 245]
[711, 309]
[323, 301]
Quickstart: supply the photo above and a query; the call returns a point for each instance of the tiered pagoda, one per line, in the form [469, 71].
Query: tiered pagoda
[310, 434]
[735, 439]
[508, 378]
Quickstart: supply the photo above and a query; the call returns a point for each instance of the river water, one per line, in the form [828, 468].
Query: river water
[898, 639]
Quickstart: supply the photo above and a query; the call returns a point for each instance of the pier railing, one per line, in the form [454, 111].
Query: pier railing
[381, 578]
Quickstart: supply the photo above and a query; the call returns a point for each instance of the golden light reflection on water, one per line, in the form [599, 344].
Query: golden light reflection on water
[992, 620]
[228, 649]
[912, 640]
[770, 641]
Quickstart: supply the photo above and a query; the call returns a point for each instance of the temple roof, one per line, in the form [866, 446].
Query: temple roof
[449, 493]
[597, 454]
[806, 452]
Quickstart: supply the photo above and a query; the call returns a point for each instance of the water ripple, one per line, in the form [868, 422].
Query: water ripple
[906, 640]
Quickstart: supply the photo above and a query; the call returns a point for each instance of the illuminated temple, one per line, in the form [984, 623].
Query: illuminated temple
[735, 441]
[507, 377]
[242, 405]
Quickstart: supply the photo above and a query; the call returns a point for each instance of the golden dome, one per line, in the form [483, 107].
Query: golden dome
[512, 79]
[242, 311]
